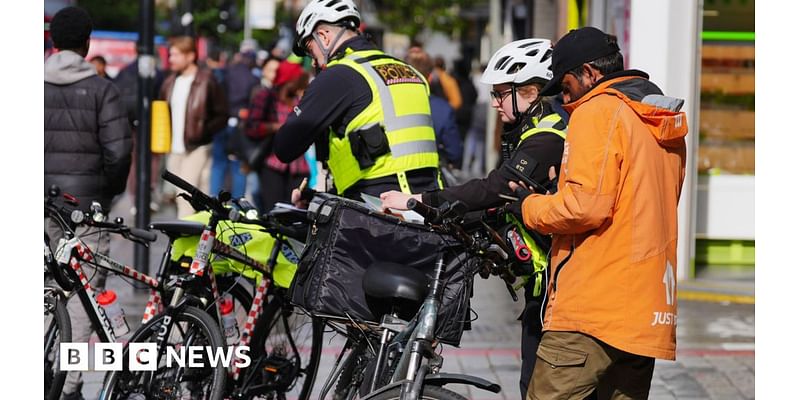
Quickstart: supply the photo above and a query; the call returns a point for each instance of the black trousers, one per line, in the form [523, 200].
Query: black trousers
[530, 338]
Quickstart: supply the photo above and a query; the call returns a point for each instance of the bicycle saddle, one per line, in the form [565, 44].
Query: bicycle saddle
[396, 283]
[176, 229]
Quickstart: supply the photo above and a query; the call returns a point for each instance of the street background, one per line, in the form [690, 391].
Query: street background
[702, 51]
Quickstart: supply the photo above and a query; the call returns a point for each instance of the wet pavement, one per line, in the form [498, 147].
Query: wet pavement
[716, 339]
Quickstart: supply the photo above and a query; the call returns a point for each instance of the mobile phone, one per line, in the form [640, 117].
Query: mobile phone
[522, 166]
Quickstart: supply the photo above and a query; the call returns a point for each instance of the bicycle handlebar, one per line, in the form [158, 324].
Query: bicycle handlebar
[273, 227]
[430, 214]
[490, 246]
[75, 217]
[198, 198]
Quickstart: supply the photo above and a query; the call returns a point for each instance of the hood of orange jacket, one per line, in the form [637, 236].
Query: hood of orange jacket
[633, 87]
[614, 217]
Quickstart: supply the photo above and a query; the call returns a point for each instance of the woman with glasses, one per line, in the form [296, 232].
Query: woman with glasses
[532, 145]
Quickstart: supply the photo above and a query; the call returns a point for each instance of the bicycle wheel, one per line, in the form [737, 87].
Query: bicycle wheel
[58, 329]
[352, 380]
[291, 345]
[428, 393]
[191, 327]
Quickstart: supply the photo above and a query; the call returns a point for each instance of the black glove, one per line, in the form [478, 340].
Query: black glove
[552, 185]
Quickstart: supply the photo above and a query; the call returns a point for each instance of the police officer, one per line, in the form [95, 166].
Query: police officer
[367, 112]
[532, 145]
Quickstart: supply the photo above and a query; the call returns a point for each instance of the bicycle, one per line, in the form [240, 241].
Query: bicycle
[65, 267]
[275, 369]
[397, 359]
[58, 329]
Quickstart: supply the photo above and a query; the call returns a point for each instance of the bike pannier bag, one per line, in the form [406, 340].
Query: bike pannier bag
[346, 237]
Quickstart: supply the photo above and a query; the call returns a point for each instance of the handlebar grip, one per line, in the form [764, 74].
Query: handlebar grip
[200, 199]
[289, 232]
[274, 227]
[179, 182]
[427, 212]
[144, 234]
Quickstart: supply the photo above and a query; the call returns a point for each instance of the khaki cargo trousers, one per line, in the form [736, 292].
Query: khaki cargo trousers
[569, 365]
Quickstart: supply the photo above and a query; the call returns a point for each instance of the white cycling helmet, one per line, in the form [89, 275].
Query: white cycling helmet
[331, 11]
[520, 62]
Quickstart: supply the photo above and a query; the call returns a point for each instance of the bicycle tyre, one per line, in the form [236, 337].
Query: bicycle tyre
[302, 347]
[119, 384]
[428, 393]
[356, 375]
[59, 330]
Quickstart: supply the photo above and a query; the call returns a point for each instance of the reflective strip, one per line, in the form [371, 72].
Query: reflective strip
[390, 118]
[548, 121]
[546, 124]
[403, 181]
[415, 147]
[408, 121]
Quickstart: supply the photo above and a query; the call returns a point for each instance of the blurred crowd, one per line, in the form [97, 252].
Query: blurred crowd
[238, 100]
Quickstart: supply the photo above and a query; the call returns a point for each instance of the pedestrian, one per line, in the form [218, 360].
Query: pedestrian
[374, 131]
[99, 63]
[268, 112]
[444, 85]
[127, 81]
[87, 147]
[517, 72]
[239, 83]
[611, 307]
[469, 96]
[474, 152]
[198, 110]
[448, 139]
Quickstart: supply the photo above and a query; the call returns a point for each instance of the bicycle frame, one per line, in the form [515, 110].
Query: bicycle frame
[418, 364]
[200, 264]
[72, 252]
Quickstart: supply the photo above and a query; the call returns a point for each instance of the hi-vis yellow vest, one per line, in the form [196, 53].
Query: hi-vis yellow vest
[539, 258]
[400, 105]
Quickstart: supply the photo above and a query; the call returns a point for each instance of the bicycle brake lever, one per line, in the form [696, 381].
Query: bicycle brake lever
[132, 238]
[512, 292]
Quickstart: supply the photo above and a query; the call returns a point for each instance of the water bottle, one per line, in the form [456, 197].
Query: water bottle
[230, 328]
[108, 300]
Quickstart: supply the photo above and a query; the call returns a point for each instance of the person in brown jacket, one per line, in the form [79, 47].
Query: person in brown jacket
[198, 109]
[610, 307]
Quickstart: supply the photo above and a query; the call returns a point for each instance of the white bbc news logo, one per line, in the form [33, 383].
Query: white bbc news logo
[143, 356]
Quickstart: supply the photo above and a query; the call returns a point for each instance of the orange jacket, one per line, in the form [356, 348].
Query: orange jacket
[450, 87]
[614, 219]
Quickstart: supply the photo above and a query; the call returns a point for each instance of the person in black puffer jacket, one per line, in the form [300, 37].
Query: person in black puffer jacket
[87, 148]
[87, 141]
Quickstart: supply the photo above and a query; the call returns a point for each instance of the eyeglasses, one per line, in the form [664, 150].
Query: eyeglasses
[500, 96]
